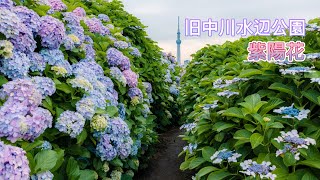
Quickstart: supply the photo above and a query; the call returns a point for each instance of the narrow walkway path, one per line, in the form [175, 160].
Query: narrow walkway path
[165, 163]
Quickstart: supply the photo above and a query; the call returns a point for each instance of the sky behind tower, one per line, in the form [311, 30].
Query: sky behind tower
[161, 17]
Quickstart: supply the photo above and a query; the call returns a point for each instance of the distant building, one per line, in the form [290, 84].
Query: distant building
[178, 41]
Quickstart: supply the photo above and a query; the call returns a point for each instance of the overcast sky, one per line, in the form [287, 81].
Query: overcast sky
[161, 17]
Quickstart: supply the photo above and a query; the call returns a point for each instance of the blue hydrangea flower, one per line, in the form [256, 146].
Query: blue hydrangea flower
[188, 127]
[263, 170]
[291, 112]
[37, 62]
[174, 90]
[45, 85]
[71, 123]
[47, 175]
[86, 107]
[295, 70]
[46, 145]
[122, 111]
[104, 17]
[190, 147]
[117, 74]
[135, 92]
[224, 155]
[15, 67]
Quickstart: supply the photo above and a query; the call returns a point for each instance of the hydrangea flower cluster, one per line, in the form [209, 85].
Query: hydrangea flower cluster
[224, 155]
[46, 145]
[188, 127]
[104, 17]
[131, 77]
[148, 87]
[99, 122]
[47, 175]
[173, 89]
[211, 106]
[219, 83]
[315, 80]
[15, 67]
[21, 118]
[291, 112]
[6, 49]
[71, 123]
[45, 86]
[190, 147]
[135, 52]
[313, 56]
[37, 62]
[115, 140]
[121, 45]
[28, 17]
[52, 32]
[122, 111]
[295, 70]
[55, 58]
[293, 142]
[135, 92]
[117, 74]
[94, 25]
[79, 12]
[116, 58]
[227, 93]
[263, 170]
[13, 163]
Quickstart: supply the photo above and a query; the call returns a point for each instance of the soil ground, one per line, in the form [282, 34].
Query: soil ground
[165, 164]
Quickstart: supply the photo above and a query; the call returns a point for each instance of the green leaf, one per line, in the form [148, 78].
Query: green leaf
[73, 170]
[255, 140]
[309, 176]
[112, 110]
[196, 162]
[252, 103]
[276, 125]
[218, 175]
[250, 127]
[220, 126]
[45, 160]
[3, 80]
[60, 159]
[78, 151]
[249, 72]
[272, 103]
[207, 152]
[284, 88]
[242, 134]
[289, 159]
[185, 165]
[88, 175]
[206, 170]
[116, 162]
[311, 163]
[233, 112]
[133, 165]
[82, 137]
[312, 95]
[64, 87]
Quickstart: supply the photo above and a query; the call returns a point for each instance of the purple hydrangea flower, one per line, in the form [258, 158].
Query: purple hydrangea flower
[52, 32]
[8, 4]
[105, 149]
[79, 12]
[131, 77]
[15, 67]
[13, 163]
[71, 18]
[135, 52]
[55, 57]
[28, 17]
[94, 25]
[135, 92]
[148, 87]
[125, 63]
[114, 57]
[56, 5]
[121, 44]
[71, 123]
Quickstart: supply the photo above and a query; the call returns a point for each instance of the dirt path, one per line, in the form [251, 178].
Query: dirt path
[165, 163]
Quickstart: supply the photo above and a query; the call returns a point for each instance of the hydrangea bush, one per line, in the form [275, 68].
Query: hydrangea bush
[251, 120]
[77, 96]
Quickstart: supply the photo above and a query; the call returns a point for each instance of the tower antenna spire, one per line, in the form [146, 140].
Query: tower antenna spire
[178, 41]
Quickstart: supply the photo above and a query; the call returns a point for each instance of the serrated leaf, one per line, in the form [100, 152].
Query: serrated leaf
[255, 140]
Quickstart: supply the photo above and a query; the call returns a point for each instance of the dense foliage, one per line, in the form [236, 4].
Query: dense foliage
[78, 82]
[252, 120]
